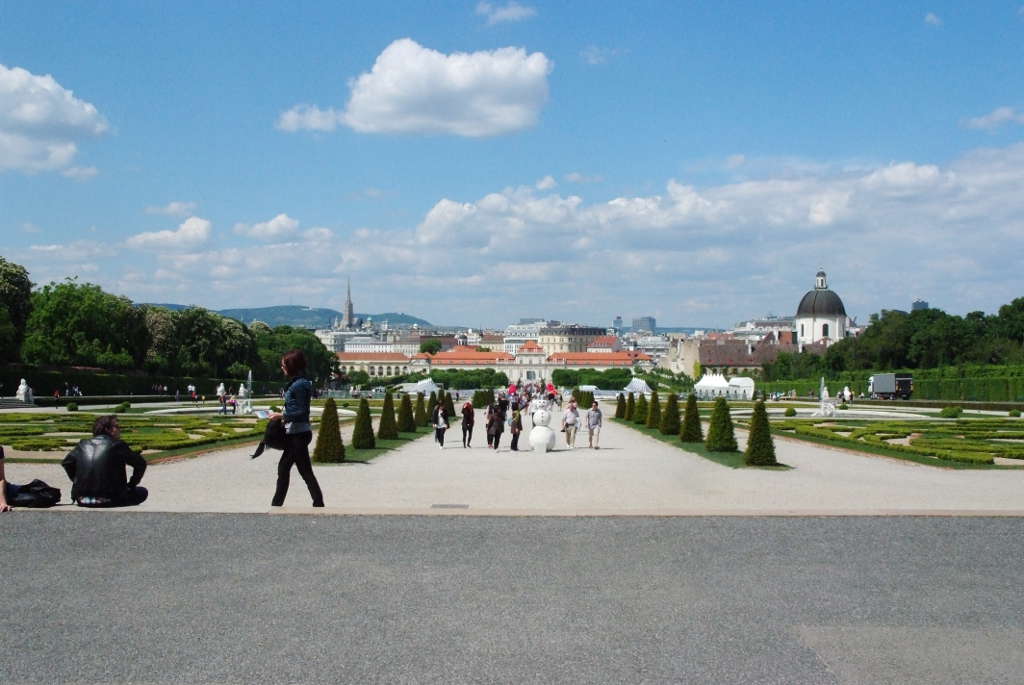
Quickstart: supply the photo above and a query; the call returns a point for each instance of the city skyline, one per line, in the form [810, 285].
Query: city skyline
[469, 161]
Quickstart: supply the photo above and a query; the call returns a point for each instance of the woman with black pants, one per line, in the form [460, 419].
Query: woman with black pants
[298, 431]
[468, 417]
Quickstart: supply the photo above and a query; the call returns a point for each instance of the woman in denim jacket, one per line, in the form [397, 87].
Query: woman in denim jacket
[298, 430]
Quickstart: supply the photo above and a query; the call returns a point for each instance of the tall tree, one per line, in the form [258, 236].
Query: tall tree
[16, 305]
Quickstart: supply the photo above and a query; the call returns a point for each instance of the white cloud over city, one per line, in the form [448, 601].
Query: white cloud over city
[41, 124]
[190, 234]
[276, 228]
[732, 250]
[412, 89]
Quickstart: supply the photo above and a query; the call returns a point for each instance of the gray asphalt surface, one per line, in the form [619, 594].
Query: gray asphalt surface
[195, 598]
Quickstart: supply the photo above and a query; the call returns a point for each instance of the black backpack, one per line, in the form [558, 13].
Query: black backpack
[36, 495]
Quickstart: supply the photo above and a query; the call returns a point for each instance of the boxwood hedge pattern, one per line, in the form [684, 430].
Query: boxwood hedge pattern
[971, 441]
[60, 432]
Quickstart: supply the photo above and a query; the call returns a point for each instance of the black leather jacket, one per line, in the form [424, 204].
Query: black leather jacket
[96, 468]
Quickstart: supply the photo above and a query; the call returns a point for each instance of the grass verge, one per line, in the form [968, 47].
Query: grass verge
[733, 460]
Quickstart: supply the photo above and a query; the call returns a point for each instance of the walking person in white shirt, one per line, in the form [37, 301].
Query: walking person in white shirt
[570, 423]
[594, 425]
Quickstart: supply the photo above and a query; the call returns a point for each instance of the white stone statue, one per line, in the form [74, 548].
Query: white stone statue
[221, 390]
[24, 393]
[244, 401]
[541, 436]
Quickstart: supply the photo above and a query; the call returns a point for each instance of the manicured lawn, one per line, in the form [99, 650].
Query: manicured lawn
[354, 455]
[733, 460]
[959, 444]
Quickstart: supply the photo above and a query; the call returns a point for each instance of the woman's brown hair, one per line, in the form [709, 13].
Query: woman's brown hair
[294, 362]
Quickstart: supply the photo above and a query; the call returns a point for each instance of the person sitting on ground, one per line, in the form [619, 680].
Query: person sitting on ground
[96, 468]
[5, 487]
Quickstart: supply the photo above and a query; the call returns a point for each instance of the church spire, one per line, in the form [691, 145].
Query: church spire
[349, 318]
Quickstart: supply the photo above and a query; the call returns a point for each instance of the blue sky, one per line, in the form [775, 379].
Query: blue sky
[474, 162]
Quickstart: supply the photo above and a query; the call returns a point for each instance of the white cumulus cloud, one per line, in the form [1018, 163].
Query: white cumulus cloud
[41, 122]
[175, 208]
[996, 118]
[80, 173]
[546, 183]
[192, 233]
[280, 226]
[932, 19]
[510, 11]
[413, 89]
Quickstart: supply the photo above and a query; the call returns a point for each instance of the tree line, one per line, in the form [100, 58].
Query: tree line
[922, 339]
[79, 324]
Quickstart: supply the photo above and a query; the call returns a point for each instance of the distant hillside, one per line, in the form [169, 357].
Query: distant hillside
[306, 317]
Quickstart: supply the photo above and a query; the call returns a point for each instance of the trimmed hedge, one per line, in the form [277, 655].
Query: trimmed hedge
[362, 434]
[620, 407]
[670, 417]
[329, 446]
[420, 415]
[640, 412]
[387, 427]
[406, 420]
[760, 447]
[630, 407]
[721, 435]
[653, 419]
[691, 431]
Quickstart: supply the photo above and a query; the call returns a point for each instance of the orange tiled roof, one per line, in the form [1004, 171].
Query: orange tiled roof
[530, 346]
[463, 354]
[373, 356]
[604, 340]
[599, 358]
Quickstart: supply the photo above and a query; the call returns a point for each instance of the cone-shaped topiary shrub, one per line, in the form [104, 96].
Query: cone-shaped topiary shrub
[449, 404]
[640, 412]
[420, 415]
[790, 411]
[576, 395]
[691, 431]
[620, 407]
[329, 447]
[670, 416]
[387, 427]
[653, 419]
[430, 407]
[406, 421]
[721, 436]
[630, 407]
[760, 447]
[362, 434]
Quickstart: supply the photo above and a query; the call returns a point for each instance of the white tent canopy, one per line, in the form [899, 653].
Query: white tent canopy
[637, 386]
[741, 388]
[711, 385]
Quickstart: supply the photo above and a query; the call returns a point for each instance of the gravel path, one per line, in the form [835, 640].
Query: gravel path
[631, 475]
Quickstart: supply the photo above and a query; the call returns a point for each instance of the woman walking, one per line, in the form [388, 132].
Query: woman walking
[468, 417]
[298, 431]
[440, 421]
[495, 425]
[516, 427]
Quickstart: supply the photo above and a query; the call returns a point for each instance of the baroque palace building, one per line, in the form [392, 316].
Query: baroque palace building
[531, 362]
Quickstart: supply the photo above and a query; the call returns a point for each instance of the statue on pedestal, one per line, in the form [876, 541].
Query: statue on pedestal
[24, 393]
[244, 400]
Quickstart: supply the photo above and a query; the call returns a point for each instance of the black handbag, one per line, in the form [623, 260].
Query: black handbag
[273, 437]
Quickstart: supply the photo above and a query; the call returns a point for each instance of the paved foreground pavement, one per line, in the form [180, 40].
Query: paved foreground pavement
[193, 598]
[631, 474]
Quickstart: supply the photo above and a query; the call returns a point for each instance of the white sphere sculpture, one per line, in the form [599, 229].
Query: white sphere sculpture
[541, 436]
